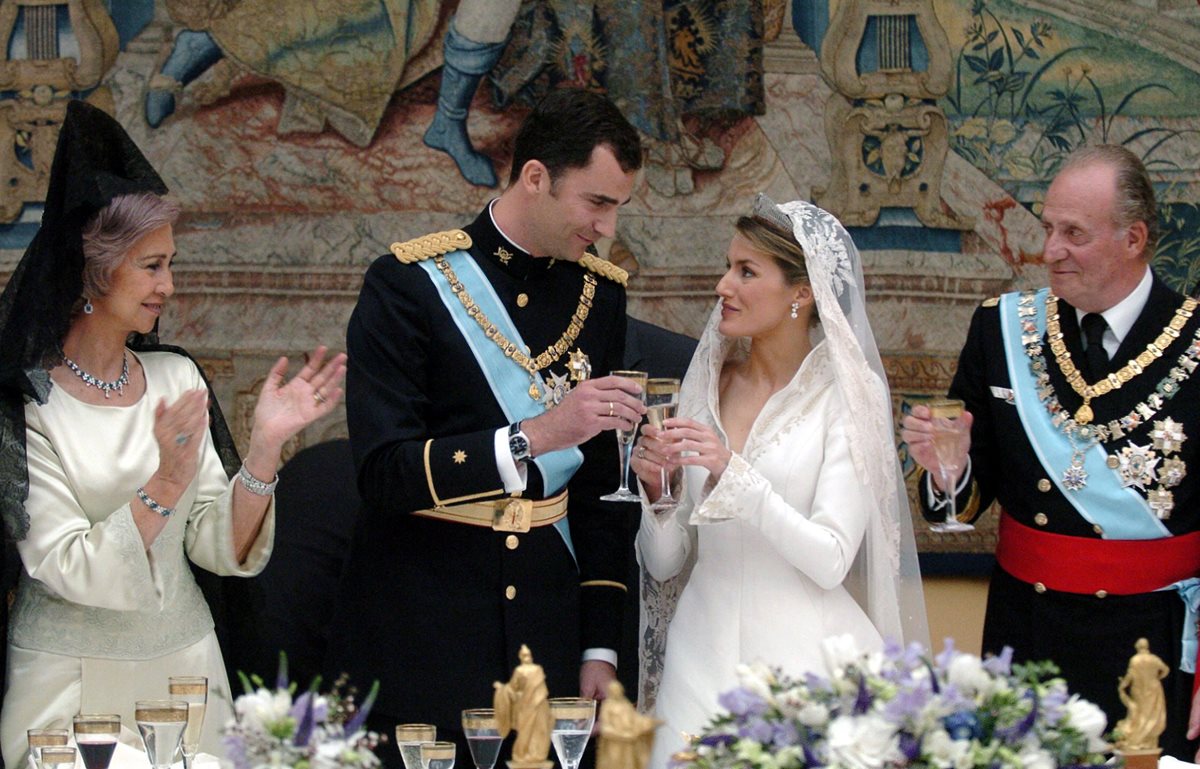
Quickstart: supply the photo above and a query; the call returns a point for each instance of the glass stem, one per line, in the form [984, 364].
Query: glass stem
[625, 449]
[951, 497]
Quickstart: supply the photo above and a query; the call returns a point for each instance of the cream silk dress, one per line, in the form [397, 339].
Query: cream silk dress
[99, 621]
[776, 537]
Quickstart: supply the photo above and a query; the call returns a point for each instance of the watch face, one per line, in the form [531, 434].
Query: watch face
[519, 446]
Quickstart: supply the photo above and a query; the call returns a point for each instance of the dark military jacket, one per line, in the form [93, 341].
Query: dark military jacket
[437, 610]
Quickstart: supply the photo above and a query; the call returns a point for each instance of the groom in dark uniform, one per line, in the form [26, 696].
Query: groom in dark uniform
[483, 441]
[1086, 428]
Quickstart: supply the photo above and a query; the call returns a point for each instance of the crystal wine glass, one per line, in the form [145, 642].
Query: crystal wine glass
[408, 740]
[41, 738]
[437, 755]
[662, 399]
[625, 445]
[573, 719]
[950, 438]
[161, 723]
[194, 691]
[58, 757]
[96, 738]
[483, 736]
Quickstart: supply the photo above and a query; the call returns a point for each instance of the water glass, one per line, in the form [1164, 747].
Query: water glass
[437, 755]
[96, 738]
[483, 736]
[573, 719]
[408, 740]
[194, 691]
[161, 723]
[41, 738]
[58, 757]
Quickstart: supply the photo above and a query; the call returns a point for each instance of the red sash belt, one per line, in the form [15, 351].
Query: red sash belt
[1082, 565]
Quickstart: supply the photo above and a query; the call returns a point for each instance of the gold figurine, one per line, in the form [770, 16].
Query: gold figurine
[1141, 691]
[523, 705]
[626, 736]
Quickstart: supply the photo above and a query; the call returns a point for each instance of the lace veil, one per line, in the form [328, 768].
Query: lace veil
[885, 578]
[94, 162]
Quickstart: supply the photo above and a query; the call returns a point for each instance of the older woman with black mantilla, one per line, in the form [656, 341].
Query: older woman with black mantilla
[121, 464]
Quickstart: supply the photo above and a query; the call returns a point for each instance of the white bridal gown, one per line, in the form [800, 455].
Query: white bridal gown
[777, 536]
[99, 621]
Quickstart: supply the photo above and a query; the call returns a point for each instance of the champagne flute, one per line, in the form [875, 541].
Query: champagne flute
[42, 738]
[483, 736]
[662, 399]
[96, 738]
[194, 691]
[573, 720]
[58, 757]
[408, 740]
[950, 438]
[161, 723]
[437, 755]
[625, 445]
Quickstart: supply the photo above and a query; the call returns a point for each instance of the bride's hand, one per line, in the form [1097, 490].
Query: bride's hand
[695, 444]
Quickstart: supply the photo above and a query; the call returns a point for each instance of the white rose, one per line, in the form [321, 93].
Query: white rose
[1036, 758]
[839, 651]
[945, 752]
[863, 742]
[1088, 719]
[813, 714]
[967, 674]
[756, 678]
[261, 708]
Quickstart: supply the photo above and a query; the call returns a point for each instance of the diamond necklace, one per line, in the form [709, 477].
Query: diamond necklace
[117, 384]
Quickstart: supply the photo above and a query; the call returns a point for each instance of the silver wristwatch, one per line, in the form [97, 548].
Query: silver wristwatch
[518, 443]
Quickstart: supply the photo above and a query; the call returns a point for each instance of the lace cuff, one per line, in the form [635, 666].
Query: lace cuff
[728, 498]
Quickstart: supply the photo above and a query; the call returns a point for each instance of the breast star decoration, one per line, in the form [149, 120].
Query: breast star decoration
[557, 388]
[1143, 466]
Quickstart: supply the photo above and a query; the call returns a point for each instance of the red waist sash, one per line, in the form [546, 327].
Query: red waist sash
[1082, 565]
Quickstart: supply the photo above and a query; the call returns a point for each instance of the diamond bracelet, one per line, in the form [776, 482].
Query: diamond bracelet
[149, 502]
[254, 485]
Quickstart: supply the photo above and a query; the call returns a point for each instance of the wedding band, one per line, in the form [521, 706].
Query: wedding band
[318, 396]
[610, 408]
[182, 438]
[641, 452]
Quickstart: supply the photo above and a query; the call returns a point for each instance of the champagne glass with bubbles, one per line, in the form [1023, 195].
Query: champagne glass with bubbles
[194, 691]
[625, 445]
[42, 738]
[483, 736]
[437, 755]
[96, 737]
[662, 400]
[58, 757]
[573, 719]
[161, 723]
[408, 740]
[950, 438]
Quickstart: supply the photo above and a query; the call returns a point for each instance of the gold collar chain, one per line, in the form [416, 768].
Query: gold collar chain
[1115, 380]
[511, 349]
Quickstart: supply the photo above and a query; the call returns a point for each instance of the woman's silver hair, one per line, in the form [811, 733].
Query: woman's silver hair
[113, 230]
[1135, 193]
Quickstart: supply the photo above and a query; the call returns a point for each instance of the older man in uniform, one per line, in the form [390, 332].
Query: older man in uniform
[472, 417]
[1086, 428]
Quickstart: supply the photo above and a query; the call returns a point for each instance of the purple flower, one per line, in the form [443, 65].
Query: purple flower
[785, 734]
[235, 749]
[943, 659]
[962, 725]
[742, 702]
[862, 703]
[718, 740]
[906, 705]
[999, 665]
[910, 746]
[758, 730]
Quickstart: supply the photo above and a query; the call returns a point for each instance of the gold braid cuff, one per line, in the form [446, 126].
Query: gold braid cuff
[603, 268]
[433, 244]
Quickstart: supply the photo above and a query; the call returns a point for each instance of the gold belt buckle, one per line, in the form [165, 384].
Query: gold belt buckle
[513, 515]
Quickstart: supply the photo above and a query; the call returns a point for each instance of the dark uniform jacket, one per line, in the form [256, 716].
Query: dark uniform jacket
[1090, 637]
[434, 610]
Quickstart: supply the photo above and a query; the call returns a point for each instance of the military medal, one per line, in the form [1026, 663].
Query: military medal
[580, 366]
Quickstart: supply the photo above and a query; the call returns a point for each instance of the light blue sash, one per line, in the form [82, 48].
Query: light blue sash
[509, 382]
[1119, 510]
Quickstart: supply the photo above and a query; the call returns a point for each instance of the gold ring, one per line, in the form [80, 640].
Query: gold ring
[610, 408]
[641, 452]
[318, 396]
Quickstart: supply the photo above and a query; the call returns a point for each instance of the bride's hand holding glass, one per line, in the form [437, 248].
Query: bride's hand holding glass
[697, 445]
[650, 459]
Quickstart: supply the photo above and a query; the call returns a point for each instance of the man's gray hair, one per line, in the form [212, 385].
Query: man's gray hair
[1135, 193]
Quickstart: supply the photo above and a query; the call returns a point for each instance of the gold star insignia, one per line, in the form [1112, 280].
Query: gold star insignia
[503, 254]
[580, 367]
[460, 456]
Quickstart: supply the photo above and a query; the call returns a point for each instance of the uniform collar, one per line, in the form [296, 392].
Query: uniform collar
[491, 242]
[1122, 315]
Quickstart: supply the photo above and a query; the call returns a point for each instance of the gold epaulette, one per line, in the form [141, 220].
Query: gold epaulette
[989, 302]
[433, 244]
[604, 268]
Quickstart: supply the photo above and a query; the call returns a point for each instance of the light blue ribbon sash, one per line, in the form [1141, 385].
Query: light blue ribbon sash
[509, 382]
[1120, 511]
[1189, 591]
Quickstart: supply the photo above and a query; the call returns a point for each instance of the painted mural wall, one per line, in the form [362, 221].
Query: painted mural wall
[305, 136]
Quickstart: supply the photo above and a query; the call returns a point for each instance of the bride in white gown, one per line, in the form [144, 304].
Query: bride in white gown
[793, 523]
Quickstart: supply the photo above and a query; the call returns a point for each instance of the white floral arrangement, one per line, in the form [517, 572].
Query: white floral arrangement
[900, 708]
[312, 731]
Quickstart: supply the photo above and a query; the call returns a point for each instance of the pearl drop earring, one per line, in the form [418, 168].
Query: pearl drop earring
[795, 310]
